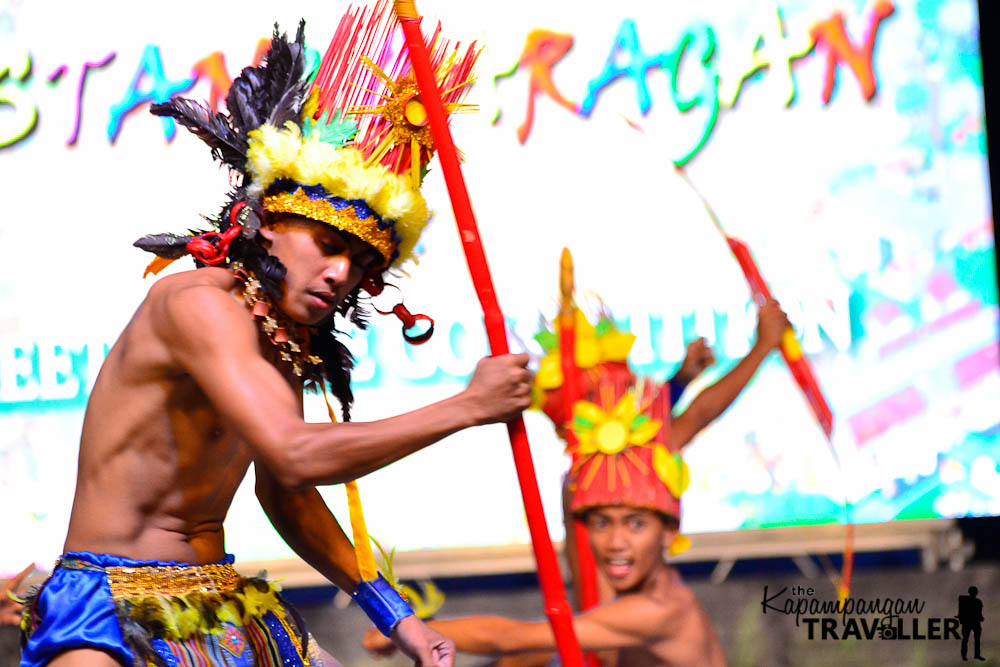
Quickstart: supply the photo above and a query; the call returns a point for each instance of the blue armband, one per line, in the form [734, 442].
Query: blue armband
[382, 603]
[676, 389]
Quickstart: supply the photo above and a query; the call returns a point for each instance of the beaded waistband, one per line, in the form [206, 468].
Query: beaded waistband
[137, 582]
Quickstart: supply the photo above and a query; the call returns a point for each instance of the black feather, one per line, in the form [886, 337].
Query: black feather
[213, 128]
[168, 246]
[136, 636]
[242, 103]
[338, 362]
[271, 92]
[282, 69]
[289, 107]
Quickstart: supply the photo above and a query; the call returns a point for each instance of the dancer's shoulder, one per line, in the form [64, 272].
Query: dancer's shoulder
[218, 279]
[199, 304]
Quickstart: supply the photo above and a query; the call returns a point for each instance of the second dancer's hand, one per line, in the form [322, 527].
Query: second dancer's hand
[771, 325]
[697, 358]
[10, 611]
[377, 644]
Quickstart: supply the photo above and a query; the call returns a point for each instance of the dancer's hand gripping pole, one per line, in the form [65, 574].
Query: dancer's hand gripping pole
[791, 351]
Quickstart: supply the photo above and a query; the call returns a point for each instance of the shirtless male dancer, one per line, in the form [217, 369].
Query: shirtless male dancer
[207, 378]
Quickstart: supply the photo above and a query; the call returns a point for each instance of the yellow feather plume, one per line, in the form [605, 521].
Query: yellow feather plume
[282, 153]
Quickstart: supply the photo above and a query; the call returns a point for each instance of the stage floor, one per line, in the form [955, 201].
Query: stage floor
[750, 637]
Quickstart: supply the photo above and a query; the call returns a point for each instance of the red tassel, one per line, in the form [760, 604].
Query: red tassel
[212, 253]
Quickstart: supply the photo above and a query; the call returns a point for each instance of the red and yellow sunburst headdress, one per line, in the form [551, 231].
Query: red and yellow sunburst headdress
[622, 454]
[620, 423]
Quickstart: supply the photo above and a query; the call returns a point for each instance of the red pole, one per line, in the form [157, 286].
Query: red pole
[571, 394]
[589, 597]
[799, 366]
[556, 605]
[803, 375]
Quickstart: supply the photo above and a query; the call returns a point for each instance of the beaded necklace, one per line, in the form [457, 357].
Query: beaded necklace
[290, 338]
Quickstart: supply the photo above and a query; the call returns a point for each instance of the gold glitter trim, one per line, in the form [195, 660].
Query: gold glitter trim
[137, 582]
[304, 656]
[314, 656]
[344, 219]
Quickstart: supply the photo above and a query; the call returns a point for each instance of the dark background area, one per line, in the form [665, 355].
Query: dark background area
[984, 532]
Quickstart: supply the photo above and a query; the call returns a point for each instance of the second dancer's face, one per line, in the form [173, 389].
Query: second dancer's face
[324, 265]
[628, 544]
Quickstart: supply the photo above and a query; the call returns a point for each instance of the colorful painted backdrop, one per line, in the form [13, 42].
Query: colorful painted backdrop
[843, 141]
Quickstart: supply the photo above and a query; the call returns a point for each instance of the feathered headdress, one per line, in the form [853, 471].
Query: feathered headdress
[595, 345]
[622, 453]
[622, 448]
[347, 148]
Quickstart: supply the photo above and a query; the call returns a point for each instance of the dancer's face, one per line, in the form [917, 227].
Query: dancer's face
[324, 265]
[628, 544]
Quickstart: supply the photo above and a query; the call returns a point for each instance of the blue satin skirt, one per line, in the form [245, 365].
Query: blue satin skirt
[75, 609]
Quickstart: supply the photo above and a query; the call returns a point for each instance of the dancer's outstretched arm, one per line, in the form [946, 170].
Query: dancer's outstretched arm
[713, 401]
[223, 355]
[630, 621]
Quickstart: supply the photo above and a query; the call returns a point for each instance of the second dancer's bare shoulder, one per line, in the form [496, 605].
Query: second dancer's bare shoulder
[691, 640]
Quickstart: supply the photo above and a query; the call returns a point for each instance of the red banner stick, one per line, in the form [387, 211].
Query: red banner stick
[791, 351]
[797, 363]
[557, 607]
[799, 366]
[589, 597]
